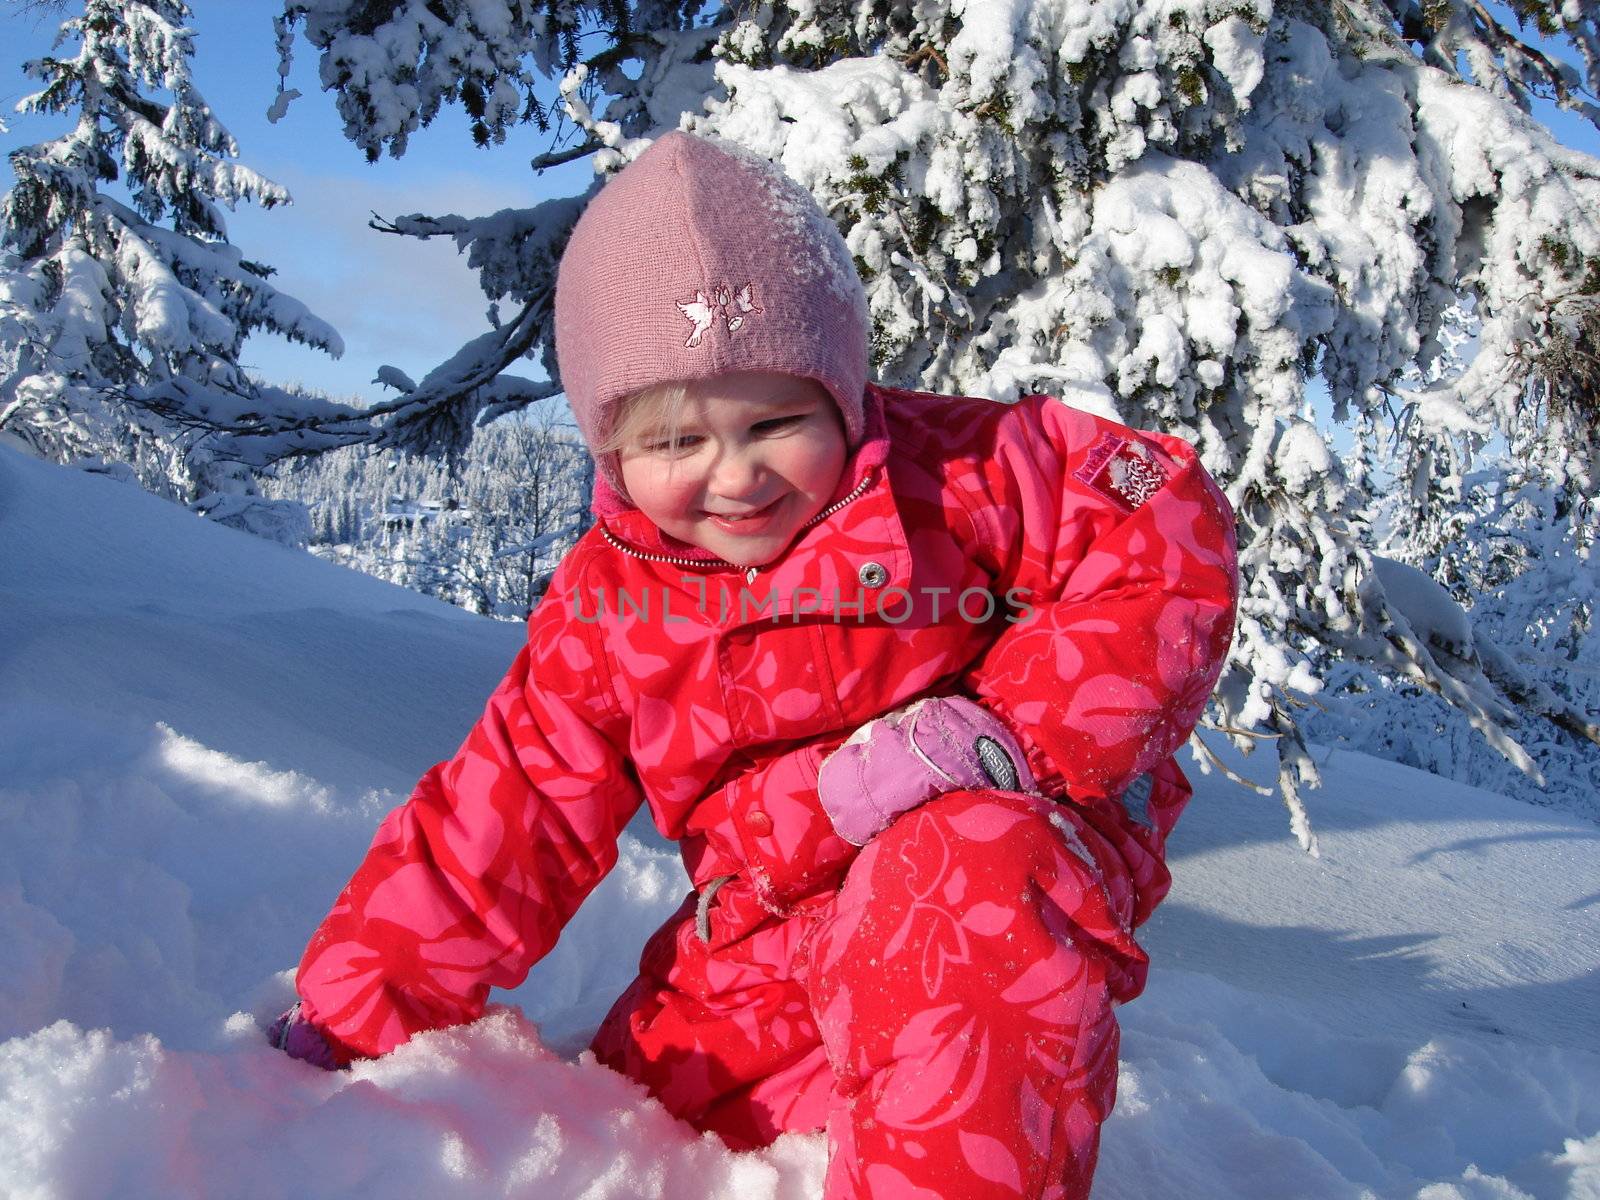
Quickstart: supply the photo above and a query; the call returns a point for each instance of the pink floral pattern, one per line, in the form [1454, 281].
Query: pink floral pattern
[716, 717]
[982, 1065]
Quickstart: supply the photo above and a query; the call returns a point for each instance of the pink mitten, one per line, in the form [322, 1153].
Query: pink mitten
[944, 744]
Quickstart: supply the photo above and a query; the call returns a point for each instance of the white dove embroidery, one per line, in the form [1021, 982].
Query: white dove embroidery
[699, 311]
[733, 307]
[744, 301]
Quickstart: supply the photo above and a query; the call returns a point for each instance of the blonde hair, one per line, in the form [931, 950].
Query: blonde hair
[655, 412]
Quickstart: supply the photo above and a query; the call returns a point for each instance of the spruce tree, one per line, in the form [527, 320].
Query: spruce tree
[1179, 215]
[123, 307]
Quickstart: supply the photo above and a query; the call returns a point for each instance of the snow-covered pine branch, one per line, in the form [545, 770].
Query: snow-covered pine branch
[123, 307]
[1516, 553]
[1501, 59]
[395, 65]
[515, 253]
[1176, 214]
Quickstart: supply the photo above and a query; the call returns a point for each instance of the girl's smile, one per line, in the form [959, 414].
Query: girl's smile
[748, 522]
[756, 456]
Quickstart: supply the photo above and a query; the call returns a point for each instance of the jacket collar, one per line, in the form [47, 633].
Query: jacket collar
[864, 477]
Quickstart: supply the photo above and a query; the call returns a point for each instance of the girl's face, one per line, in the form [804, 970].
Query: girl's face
[757, 456]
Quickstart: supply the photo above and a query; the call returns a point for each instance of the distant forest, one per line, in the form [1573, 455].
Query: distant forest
[483, 530]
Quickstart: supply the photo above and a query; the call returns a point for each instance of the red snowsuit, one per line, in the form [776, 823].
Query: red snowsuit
[940, 999]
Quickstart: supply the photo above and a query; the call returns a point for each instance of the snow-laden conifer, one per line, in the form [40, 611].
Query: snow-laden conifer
[1507, 585]
[123, 306]
[1174, 213]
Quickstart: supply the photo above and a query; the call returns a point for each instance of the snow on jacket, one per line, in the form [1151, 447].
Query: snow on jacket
[1072, 575]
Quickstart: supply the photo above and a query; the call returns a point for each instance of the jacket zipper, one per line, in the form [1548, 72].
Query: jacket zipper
[713, 563]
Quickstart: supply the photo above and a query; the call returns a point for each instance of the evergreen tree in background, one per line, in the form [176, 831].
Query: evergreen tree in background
[1517, 553]
[508, 506]
[122, 305]
[1176, 214]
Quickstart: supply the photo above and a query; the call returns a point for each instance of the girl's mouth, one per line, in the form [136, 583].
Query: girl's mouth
[754, 521]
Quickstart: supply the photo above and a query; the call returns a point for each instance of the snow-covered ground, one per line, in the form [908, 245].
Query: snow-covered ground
[199, 731]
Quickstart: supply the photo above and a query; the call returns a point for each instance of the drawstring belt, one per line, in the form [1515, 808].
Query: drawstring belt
[702, 910]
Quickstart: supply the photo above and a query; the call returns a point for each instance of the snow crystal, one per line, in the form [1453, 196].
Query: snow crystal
[1236, 52]
[1302, 456]
[1161, 353]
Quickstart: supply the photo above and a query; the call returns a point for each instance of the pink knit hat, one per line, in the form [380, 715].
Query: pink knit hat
[699, 259]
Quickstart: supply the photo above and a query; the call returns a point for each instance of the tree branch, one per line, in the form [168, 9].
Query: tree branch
[556, 158]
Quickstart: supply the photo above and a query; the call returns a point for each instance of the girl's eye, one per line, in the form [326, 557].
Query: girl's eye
[685, 443]
[777, 424]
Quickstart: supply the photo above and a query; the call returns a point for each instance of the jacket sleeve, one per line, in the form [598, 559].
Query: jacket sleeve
[1122, 550]
[470, 882]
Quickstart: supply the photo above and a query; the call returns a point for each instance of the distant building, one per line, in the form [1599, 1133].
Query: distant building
[411, 514]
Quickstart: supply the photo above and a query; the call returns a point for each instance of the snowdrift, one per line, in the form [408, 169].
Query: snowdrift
[199, 731]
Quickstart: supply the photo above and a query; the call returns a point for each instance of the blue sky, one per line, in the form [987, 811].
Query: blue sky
[394, 300]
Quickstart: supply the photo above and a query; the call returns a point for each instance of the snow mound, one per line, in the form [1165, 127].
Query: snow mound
[121, 607]
[199, 732]
[480, 1111]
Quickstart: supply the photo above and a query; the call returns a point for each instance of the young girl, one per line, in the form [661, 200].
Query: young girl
[902, 673]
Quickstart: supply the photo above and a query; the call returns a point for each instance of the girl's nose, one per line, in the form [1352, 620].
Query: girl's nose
[736, 473]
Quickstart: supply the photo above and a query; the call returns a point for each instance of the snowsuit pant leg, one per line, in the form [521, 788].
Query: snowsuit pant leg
[719, 1028]
[963, 984]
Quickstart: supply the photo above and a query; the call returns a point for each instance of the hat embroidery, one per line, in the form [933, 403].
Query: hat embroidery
[1123, 471]
[733, 307]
